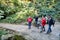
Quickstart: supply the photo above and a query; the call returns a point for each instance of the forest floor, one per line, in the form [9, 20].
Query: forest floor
[34, 32]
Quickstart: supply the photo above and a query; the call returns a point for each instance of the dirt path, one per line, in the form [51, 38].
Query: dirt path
[34, 33]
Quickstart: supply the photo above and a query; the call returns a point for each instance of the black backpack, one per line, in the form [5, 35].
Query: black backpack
[53, 21]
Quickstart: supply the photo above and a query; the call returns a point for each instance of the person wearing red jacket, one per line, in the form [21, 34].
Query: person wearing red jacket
[43, 22]
[29, 20]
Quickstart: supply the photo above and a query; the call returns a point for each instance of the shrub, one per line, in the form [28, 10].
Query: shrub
[17, 37]
[57, 17]
[1, 13]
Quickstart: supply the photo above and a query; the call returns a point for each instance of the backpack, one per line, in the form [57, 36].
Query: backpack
[53, 21]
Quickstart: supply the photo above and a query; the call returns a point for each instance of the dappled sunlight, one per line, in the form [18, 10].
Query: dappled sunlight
[21, 9]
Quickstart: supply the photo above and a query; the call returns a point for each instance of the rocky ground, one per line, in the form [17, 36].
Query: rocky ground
[34, 33]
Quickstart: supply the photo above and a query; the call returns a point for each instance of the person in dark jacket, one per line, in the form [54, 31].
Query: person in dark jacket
[50, 23]
[36, 20]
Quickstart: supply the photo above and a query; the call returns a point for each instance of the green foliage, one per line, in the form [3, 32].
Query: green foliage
[17, 11]
[58, 16]
[17, 37]
[1, 13]
[46, 7]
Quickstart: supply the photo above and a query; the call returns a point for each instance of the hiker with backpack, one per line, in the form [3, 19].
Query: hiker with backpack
[50, 23]
[29, 20]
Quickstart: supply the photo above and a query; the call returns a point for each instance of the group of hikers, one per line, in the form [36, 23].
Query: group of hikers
[41, 23]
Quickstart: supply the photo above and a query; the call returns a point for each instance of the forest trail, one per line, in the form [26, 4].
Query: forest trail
[34, 33]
